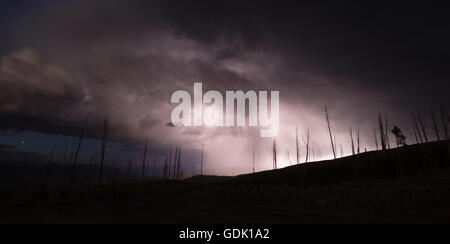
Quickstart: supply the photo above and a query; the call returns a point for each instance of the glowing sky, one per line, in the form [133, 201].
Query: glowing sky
[122, 60]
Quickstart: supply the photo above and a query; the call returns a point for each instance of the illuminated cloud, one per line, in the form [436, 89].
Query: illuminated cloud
[122, 60]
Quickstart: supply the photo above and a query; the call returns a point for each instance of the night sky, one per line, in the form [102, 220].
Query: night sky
[122, 60]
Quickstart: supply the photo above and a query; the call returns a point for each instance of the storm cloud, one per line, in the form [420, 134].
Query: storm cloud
[122, 60]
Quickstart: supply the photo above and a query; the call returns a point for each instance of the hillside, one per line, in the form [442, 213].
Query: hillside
[404, 185]
[389, 164]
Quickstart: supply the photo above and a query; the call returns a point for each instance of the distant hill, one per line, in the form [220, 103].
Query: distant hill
[387, 164]
[209, 179]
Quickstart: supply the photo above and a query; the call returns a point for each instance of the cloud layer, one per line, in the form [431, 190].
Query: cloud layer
[122, 60]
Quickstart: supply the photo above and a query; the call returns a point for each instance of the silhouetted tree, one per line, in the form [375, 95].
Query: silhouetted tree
[331, 134]
[275, 162]
[401, 139]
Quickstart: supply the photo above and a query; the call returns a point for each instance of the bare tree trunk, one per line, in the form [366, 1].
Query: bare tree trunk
[335, 146]
[275, 163]
[169, 163]
[307, 144]
[388, 142]
[154, 169]
[359, 141]
[75, 159]
[179, 164]
[179, 174]
[297, 145]
[201, 171]
[420, 118]
[47, 169]
[175, 164]
[376, 138]
[436, 128]
[254, 156]
[415, 135]
[289, 157]
[144, 160]
[331, 134]
[174, 172]
[66, 146]
[130, 163]
[165, 165]
[114, 163]
[353, 142]
[91, 170]
[102, 157]
[382, 133]
[444, 121]
[417, 127]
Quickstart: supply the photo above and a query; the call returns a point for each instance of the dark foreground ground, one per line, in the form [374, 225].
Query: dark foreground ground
[422, 198]
[408, 185]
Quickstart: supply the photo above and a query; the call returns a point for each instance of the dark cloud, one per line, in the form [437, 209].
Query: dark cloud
[37, 94]
[122, 60]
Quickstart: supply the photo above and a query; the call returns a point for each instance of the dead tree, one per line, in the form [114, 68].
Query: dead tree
[75, 159]
[376, 138]
[179, 173]
[444, 120]
[174, 172]
[416, 125]
[254, 156]
[335, 145]
[388, 143]
[165, 165]
[289, 157]
[169, 163]
[154, 169]
[91, 167]
[102, 157]
[359, 141]
[144, 160]
[415, 134]
[66, 148]
[275, 163]
[201, 164]
[307, 145]
[114, 165]
[148, 168]
[436, 128]
[382, 132]
[422, 126]
[130, 164]
[353, 142]
[297, 145]
[175, 165]
[331, 134]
